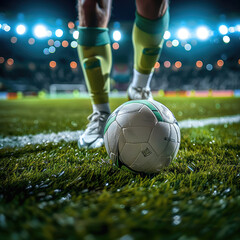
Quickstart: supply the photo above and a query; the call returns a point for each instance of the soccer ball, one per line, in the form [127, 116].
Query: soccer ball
[142, 136]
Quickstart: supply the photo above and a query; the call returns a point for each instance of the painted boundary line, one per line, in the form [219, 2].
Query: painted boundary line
[68, 136]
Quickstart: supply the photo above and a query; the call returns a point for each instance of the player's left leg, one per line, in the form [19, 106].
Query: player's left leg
[151, 22]
[94, 51]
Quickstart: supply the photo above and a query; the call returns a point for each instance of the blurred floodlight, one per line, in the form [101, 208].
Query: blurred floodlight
[223, 29]
[202, 33]
[183, 33]
[175, 42]
[46, 51]
[74, 44]
[117, 35]
[188, 47]
[167, 35]
[59, 32]
[52, 49]
[209, 67]
[231, 29]
[76, 34]
[40, 31]
[21, 29]
[57, 43]
[238, 28]
[226, 39]
[6, 27]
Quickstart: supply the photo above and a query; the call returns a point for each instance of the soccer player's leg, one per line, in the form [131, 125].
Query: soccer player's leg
[151, 22]
[96, 59]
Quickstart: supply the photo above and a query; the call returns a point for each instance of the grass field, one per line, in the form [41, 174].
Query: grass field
[56, 191]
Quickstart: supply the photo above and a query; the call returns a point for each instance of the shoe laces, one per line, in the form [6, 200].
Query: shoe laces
[143, 92]
[95, 120]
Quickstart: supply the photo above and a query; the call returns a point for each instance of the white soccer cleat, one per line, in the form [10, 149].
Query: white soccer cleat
[138, 93]
[93, 135]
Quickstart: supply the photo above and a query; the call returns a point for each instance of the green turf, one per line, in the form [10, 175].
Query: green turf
[37, 116]
[55, 191]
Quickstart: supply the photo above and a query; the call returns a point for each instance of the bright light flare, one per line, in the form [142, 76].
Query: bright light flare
[167, 35]
[183, 33]
[202, 33]
[21, 29]
[59, 32]
[117, 35]
[223, 29]
[40, 31]
[76, 34]
[226, 39]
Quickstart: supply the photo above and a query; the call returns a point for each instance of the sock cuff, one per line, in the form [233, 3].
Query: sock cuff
[93, 36]
[152, 26]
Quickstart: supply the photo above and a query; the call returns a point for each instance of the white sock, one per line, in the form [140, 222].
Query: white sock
[141, 80]
[103, 107]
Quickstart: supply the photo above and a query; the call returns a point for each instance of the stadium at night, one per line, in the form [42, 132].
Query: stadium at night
[52, 187]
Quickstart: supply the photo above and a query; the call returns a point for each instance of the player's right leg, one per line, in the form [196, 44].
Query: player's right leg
[96, 59]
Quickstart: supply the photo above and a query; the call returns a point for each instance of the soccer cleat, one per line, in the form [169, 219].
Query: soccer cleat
[137, 93]
[93, 135]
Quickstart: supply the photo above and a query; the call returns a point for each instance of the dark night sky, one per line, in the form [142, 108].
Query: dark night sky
[122, 9]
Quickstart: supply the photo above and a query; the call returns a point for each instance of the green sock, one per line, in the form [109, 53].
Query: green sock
[95, 55]
[148, 41]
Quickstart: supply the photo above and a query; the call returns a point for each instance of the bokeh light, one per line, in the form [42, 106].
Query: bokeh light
[175, 42]
[209, 67]
[223, 29]
[71, 25]
[2, 60]
[59, 32]
[115, 46]
[21, 29]
[188, 47]
[167, 64]
[31, 41]
[13, 40]
[52, 64]
[10, 61]
[202, 33]
[40, 31]
[178, 64]
[117, 35]
[157, 65]
[65, 43]
[73, 64]
[226, 39]
[74, 44]
[220, 63]
[167, 35]
[199, 64]
[183, 33]
[76, 34]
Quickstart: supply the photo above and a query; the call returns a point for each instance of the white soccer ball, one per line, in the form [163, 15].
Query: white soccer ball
[142, 135]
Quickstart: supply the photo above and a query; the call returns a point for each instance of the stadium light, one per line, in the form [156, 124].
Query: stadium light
[226, 39]
[183, 33]
[167, 35]
[117, 35]
[21, 29]
[59, 32]
[6, 27]
[76, 34]
[40, 31]
[223, 29]
[202, 33]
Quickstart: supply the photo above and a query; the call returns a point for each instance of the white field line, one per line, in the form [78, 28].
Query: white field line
[68, 136]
